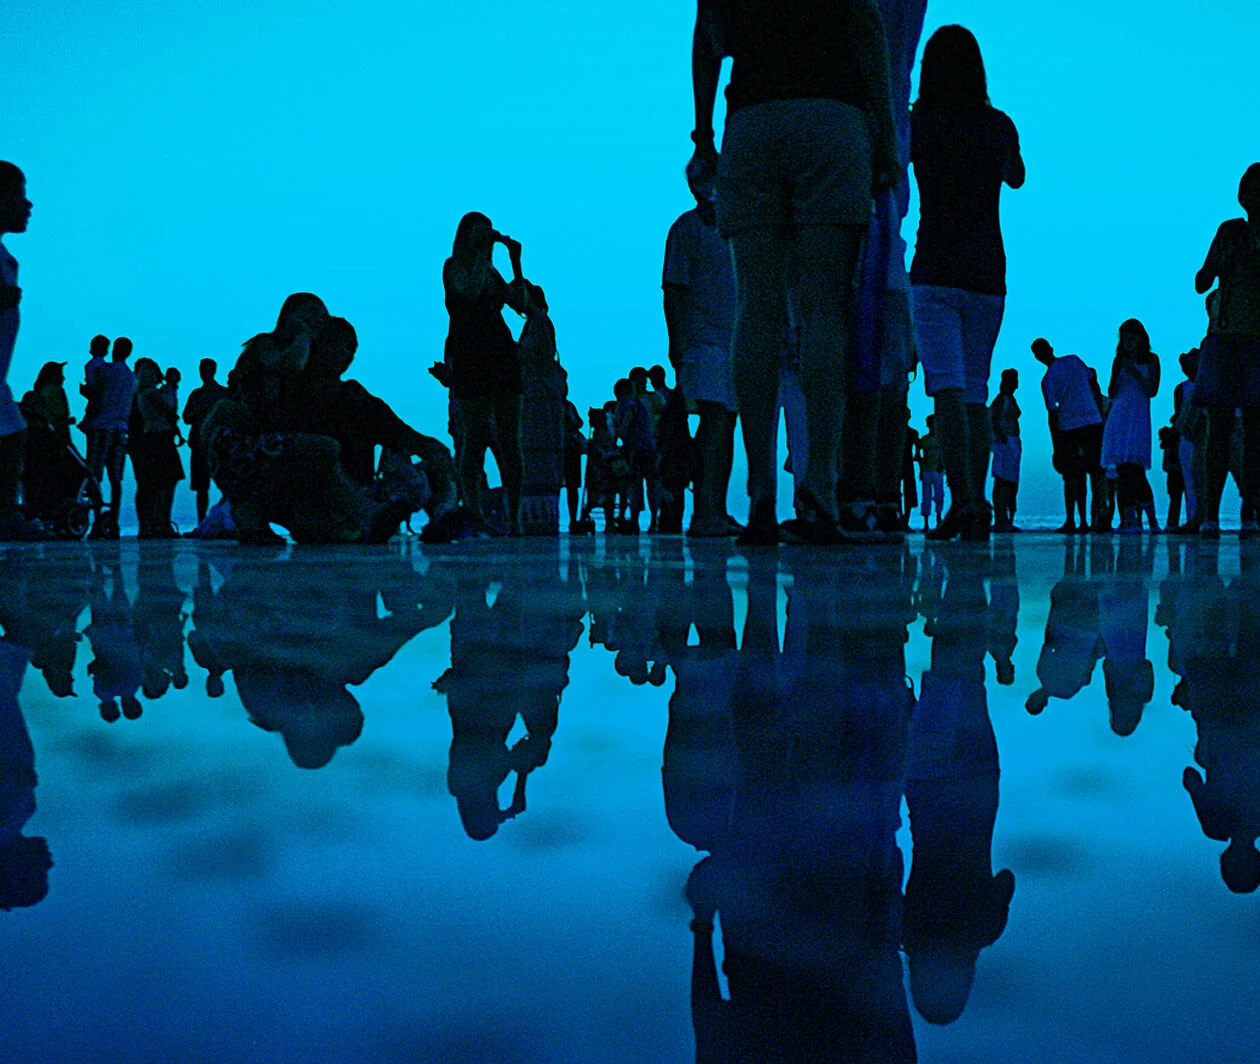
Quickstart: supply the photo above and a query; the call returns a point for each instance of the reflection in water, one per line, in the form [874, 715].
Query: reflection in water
[790, 744]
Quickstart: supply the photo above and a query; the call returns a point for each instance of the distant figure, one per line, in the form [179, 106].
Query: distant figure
[482, 360]
[1190, 428]
[909, 482]
[1123, 620]
[115, 388]
[1007, 452]
[545, 390]
[154, 458]
[700, 306]
[574, 449]
[116, 668]
[1229, 361]
[931, 476]
[674, 445]
[809, 134]
[1076, 429]
[963, 150]
[15, 213]
[1127, 435]
[51, 477]
[202, 400]
[98, 352]
[633, 426]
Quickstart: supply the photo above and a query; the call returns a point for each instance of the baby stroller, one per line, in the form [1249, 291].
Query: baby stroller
[58, 487]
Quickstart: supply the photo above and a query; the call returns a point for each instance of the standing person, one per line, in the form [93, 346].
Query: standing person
[107, 439]
[673, 444]
[98, 352]
[545, 390]
[1007, 452]
[574, 448]
[699, 286]
[1229, 360]
[809, 133]
[1076, 428]
[638, 447]
[931, 475]
[1127, 436]
[909, 485]
[1190, 424]
[15, 215]
[202, 400]
[483, 362]
[963, 150]
[50, 476]
[154, 459]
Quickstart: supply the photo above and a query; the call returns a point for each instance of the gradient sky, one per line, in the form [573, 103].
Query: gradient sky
[192, 163]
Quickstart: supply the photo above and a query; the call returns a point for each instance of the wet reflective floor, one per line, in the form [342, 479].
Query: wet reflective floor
[630, 801]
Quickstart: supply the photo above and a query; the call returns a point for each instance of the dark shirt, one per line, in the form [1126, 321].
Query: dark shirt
[959, 160]
[789, 50]
[480, 351]
[357, 420]
[198, 408]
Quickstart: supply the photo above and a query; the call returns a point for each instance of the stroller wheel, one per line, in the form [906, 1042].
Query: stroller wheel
[76, 520]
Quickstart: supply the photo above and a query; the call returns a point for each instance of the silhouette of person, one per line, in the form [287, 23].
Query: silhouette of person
[1004, 416]
[42, 614]
[158, 614]
[699, 286]
[806, 878]
[1229, 361]
[1220, 688]
[809, 134]
[955, 905]
[197, 408]
[963, 150]
[1073, 641]
[1189, 429]
[482, 361]
[117, 669]
[1123, 614]
[154, 458]
[875, 428]
[51, 478]
[545, 390]
[24, 859]
[1135, 377]
[203, 643]
[15, 214]
[1003, 619]
[89, 388]
[1076, 430]
[113, 385]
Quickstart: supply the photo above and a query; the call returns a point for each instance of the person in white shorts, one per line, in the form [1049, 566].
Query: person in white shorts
[699, 286]
[1007, 452]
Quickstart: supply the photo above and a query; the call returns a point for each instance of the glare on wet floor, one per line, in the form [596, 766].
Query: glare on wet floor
[630, 800]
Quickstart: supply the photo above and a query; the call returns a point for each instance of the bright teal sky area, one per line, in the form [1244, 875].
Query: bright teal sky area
[192, 163]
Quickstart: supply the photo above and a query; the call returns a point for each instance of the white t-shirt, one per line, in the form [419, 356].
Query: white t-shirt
[697, 259]
[11, 419]
[1067, 390]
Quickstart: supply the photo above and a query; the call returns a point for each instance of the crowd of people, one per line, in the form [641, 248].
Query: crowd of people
[785, 294]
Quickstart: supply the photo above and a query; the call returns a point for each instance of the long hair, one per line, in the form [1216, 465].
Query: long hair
[1144, 338]
[470, 221]
[952, 77]
[50, 373]
[285, 331]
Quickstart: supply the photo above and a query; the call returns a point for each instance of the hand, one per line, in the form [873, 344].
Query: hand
[702, 167]
[513, 246]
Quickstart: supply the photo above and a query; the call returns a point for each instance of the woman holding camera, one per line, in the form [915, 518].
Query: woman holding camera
[483, 365]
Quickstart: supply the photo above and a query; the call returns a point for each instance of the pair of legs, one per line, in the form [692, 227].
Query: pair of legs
[822, 259]
[932, 491]
[1005, 494]
[1135, 496]
[487, 420]
[1220, 433]
[12, 452]
[715, 447]
[956, 330]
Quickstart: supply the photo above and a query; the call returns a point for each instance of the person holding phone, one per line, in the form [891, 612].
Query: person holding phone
[482, 361]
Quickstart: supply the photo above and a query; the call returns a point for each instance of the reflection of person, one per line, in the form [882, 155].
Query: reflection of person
[293, 659]
[955, 905]
[809, 134]
[1123, 617]
[507, 659]
[24, 860]
[1218, 635]
[1073, 641]
[806, 878]
[116, 668]
[158, 613]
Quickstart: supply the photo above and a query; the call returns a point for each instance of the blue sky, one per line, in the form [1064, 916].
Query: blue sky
[192, 163]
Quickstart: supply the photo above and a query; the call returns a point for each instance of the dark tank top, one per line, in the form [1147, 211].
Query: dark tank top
[789, 50]
[480, 351]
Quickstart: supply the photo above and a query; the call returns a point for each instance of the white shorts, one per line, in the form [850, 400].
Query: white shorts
[955, 332]
[1006, 459]
[705, 376]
